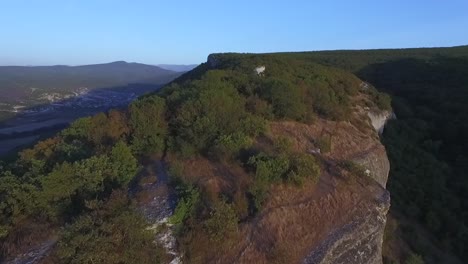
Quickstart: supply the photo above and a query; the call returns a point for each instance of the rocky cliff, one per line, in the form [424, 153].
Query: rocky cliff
[357, 236]
[339, 220]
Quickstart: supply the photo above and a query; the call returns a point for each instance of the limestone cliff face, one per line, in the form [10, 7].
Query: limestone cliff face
[375, 161]
[379, 119]
[358, 236]
[213, 60]
[359, 241]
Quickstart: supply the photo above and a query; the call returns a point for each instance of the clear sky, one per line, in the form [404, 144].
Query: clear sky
[47, 32]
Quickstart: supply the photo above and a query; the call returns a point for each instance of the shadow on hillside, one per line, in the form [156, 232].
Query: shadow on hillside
[411, 73]
[42, 121]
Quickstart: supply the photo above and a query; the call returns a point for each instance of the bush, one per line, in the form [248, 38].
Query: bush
[303, 166]
[258, 192]
[283, 145]
[147, 119]
[383, 101]
[189, 199]
[111, 233]
[286, 99]
[222, 222]
[125, 166]
[269, 169]
[354, 168]
[230, 145]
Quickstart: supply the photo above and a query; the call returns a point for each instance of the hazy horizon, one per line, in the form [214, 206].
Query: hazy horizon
[152, 32]
[191, 64]
[97, 63]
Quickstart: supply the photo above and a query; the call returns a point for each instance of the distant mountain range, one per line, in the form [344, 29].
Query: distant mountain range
[178, 67]
[18, 83]
[23, 88]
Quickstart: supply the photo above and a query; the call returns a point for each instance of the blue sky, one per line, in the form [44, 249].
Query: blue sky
[48, 32]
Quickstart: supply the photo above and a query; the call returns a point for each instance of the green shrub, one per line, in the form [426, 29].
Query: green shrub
[125, 165]
[286, 99]
[269, 169]
[283, 145]
[383, 101]
[189, 198]
[354, 168]
[147, 120]
[259, 107]
[258, 193]
[230, 145]
[303, 166]
[222, 221]
[112, 233]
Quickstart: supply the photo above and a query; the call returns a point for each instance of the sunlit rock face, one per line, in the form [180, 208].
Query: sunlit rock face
[379, 119]
[212, 61]
[375, 164]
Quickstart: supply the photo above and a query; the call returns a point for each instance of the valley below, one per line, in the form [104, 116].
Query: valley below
[30, 124]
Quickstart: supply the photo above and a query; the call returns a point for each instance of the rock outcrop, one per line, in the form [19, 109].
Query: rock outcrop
[357, 237]
[213, 60]
[379, 119]
[360, 241]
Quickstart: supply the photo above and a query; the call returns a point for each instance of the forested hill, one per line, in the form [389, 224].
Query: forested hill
[222, 131]
[427, 144]
[357, 60]
[225, 130]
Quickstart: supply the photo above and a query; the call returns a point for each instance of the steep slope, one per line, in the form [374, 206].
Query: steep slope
[272, 159]
[426, 143]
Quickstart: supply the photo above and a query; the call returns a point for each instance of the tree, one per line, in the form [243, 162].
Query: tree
[286, 99]
[124, 165]
[112, 233]
[147, 119]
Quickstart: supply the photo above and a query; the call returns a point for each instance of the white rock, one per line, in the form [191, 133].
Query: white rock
[259, 70]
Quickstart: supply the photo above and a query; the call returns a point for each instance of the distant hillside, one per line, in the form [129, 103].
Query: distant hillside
[18, 83]
[26, 87]
[178, 67]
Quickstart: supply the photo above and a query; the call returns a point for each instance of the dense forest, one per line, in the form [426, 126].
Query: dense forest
[82, 178]
[427, 144]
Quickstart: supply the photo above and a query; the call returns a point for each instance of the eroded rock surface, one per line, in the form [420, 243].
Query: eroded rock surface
[360, 241]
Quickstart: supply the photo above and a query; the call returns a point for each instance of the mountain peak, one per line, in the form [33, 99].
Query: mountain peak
[119, 62]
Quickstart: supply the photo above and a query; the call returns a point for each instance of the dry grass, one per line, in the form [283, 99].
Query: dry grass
[26, 235]
[293, 220]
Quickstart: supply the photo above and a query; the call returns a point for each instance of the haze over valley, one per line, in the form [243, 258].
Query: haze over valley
[40, 100]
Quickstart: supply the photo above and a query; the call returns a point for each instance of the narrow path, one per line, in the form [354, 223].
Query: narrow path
[36, 254]
[159, 205]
